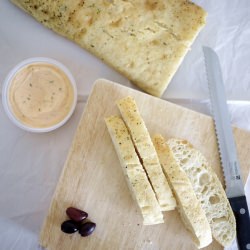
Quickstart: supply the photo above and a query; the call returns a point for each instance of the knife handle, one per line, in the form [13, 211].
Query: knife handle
[241, 213]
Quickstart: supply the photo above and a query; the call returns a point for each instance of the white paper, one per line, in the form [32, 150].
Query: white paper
[30, 164]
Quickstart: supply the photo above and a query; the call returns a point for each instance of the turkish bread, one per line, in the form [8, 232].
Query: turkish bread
[145, 40]
[146, 151]
[189, 207]
[136, 177]
[208, 190]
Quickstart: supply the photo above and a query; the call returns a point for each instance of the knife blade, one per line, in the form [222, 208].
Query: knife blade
[227, 149]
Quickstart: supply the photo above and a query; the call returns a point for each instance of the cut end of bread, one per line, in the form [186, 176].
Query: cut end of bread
[188, 206]
[208, 190]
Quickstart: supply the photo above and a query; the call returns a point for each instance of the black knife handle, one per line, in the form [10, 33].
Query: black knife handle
[241, 213]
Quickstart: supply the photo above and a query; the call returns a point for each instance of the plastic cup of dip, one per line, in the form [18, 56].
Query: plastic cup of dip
[39, 94]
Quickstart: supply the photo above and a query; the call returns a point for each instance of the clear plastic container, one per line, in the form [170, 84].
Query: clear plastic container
[7, 83]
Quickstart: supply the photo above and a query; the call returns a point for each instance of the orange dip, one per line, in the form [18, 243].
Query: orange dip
[40, 95]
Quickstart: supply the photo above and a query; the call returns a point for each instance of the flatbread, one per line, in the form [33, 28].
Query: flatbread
[145, 40]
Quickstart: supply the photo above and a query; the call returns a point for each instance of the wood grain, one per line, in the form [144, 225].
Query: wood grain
[92, 177]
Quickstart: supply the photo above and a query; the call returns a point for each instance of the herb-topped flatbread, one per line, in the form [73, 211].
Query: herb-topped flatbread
[144, 40]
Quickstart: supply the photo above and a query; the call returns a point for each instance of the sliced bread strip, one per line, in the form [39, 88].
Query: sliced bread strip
[146, 152]
[135, 175]
[193, 216]
[208, 190]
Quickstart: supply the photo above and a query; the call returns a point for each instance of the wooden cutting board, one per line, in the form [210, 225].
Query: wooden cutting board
[92, 177]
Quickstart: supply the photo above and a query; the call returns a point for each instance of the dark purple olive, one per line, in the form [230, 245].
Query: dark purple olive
[69, 227]
[76, 214]
[87, 228]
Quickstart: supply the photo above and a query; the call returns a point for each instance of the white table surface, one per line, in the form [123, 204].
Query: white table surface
[30, 164]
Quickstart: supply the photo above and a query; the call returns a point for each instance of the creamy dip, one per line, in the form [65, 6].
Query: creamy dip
[40, 95]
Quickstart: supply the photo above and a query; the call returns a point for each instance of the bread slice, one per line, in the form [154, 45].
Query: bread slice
[136, 177]
[208, 190]
[146, 152]
[193, 216]
[145, 40]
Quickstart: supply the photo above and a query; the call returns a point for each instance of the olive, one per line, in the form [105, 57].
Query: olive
[87, 228]
[69, 227]
[76, 214]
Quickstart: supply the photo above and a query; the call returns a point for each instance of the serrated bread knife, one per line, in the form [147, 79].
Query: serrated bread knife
[230, 165]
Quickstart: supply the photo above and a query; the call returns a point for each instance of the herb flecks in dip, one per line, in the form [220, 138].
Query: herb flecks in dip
[40, 95]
